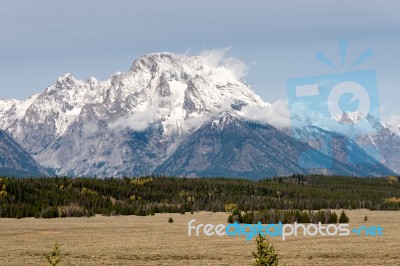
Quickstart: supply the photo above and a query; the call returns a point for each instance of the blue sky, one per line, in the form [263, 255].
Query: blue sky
[278, 40]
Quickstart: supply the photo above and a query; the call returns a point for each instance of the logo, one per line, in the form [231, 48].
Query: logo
[341, 102]
[249, 231]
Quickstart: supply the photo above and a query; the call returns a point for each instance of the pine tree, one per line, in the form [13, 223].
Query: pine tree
[343, 219]
[333, 219]
[265, 254]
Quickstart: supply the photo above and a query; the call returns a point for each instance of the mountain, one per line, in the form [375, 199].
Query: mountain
[383, 144]
[358, 134]
[231, 144]
[15, 161]
[341, 148]
[169, 114]
[98, 128]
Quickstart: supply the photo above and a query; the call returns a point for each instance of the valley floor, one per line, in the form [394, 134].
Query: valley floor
[151, 240]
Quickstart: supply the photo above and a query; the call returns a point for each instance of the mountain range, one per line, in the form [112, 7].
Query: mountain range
[178, 115]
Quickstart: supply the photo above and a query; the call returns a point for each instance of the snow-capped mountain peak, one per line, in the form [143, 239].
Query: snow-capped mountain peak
[164, 107]
[174, 93]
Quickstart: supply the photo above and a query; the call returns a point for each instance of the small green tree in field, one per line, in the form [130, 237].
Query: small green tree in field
[170, 220]
[333, 219]
[54, 257]
[343, 219]
[265, 254]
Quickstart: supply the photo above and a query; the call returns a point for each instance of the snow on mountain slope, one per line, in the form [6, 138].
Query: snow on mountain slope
[85, 127]
[368, 132]
[12, 110]
[44, 117]
[179, 91]
[137, 121]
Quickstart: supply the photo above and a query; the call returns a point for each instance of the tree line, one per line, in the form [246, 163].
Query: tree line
[274, 216]
[66, 197]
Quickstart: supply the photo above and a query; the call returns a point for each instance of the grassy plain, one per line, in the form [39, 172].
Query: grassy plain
[151, 240]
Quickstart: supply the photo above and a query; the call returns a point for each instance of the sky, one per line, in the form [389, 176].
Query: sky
[278, 40]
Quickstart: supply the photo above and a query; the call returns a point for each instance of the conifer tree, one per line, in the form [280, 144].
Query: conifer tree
[265, 254]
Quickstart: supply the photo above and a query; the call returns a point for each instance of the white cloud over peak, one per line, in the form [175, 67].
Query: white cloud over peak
[218, 58]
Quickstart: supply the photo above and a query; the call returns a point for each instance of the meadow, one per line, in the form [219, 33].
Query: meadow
[151, 240]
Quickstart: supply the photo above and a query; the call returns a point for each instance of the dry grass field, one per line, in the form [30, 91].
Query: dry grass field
[133, 240]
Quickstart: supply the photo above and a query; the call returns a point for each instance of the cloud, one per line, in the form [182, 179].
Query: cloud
[217, 58]
[277, 114]
[192, 123]
[393, 122]
[138, 121]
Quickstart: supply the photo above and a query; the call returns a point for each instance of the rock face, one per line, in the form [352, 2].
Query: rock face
[15, 161]
[168, 114]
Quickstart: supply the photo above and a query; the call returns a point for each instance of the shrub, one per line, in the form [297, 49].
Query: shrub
[54, 257]
[237, 216]
[72, 210]
[170, 220]
[365, 218]
[392, 179]
[230, 219]
[230, 207]
[392, 200]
